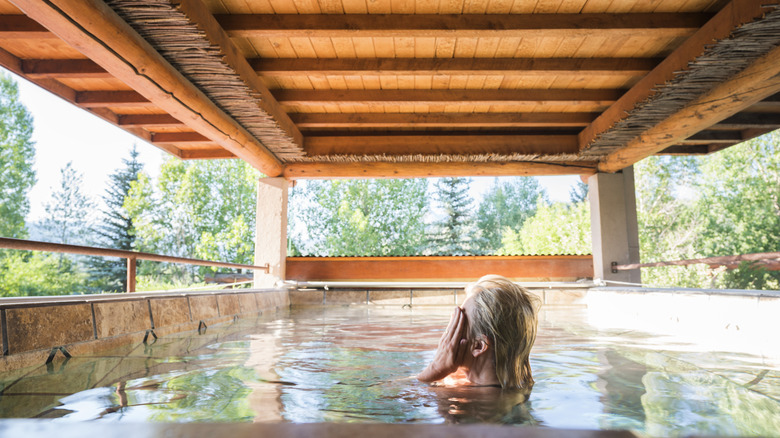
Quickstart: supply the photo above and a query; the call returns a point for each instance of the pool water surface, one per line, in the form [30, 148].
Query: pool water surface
[353, 364]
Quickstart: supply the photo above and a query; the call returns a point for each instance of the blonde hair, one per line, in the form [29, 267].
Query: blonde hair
[506, 313]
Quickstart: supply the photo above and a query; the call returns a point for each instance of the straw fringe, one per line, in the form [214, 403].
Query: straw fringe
[719, 62]
[188, 49]
[443, 158]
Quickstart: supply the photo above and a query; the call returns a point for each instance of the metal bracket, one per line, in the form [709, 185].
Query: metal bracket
[614, 267]
[146, 336]
[54, 351]
[202, 327]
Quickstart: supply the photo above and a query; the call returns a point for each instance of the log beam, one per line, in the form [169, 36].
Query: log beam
[455, 66]
[757, 82]
[430, 120]
[323, 170]
[398, 145]
[99, 33]
[719, 27]
[660, 25]
[456, 97]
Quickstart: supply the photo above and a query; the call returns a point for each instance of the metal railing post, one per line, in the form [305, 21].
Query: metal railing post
[131, 270]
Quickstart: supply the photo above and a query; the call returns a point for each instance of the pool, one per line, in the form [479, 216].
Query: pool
[353, 363]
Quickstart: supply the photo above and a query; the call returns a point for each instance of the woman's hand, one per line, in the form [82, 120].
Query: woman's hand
[451, 351]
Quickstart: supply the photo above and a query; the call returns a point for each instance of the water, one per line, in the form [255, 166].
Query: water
[353, 365]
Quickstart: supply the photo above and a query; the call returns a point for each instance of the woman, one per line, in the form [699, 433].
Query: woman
[489, 337]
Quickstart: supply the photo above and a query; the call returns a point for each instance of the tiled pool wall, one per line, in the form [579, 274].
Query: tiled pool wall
[419, 296]
[32, 329]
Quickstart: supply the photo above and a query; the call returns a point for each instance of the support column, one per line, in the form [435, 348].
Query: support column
[613, 224]
[271, 230]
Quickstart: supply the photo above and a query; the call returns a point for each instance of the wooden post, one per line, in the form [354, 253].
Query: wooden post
[131, 269]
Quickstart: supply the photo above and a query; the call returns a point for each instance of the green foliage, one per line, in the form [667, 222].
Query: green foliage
[670, 219]
[456, 231]
[578, 193]
[506, 207]
[17, 155]
[203, 209]
[25, 273]
[358, 217]
[558, 228]
[115, 228]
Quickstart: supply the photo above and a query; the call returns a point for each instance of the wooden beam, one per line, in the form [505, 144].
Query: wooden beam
[199, 14]
[113, 99]
[714, 137]
[746, 120]
[178, 137]
[362, 170]
[757, 82]
[206, 154]
[455, 66]
[437, 267]
[460, 120]
[148, 120]
[433, 97]
[396, 145]
[654, 25]
[63, 68]
[22, 27]
[99, 33]
[736, 13]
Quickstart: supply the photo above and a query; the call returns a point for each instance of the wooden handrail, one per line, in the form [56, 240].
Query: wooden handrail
[131, 256]
[769, 258]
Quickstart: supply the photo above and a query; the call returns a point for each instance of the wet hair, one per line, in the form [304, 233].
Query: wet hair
[505, 313]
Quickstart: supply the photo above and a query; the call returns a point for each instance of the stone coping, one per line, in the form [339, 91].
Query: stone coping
[686, 291]
[8, 302]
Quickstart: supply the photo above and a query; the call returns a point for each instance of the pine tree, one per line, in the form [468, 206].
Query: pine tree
[455, 232]
[578, 193]
[68, 212]
[115, 229]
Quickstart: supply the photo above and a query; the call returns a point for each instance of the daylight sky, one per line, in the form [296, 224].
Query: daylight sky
[64, 132]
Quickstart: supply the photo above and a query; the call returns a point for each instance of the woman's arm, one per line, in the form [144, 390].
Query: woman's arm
[451, 351]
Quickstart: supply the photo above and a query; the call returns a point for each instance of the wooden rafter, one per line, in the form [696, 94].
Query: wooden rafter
[454, 66]
[112, 99]
[440, 169]
[63, 68]
[22, 27]
[178, 137]
[441, 144]
[460, 120]
[148, 120]
[474, 97]
[96, 30]
[471, 26]
[750, 121]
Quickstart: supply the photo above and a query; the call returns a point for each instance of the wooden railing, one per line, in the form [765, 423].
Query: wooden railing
[131, 256]
[766, 260]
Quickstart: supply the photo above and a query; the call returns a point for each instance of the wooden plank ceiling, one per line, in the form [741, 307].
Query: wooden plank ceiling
[403, 88]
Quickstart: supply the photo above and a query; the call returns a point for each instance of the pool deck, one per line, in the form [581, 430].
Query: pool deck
[48, 429]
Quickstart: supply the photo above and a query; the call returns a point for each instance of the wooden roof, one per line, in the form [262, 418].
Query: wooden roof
[402, 88]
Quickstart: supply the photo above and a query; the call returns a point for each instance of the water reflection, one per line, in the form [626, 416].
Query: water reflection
[353, 365]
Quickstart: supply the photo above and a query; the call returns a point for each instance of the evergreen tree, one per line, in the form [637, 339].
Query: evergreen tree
[115, 228]
[17, 154]
[578, 193]
[456, 231]
[68, 212]
[507, 205]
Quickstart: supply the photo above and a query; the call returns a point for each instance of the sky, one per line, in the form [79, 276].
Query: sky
[63, 132]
